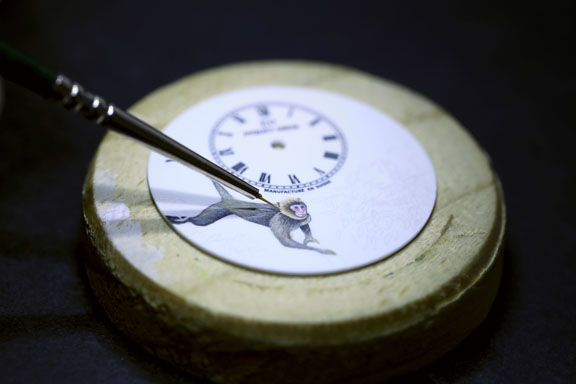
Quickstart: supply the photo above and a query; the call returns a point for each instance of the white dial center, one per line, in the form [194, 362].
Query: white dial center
[278, 144]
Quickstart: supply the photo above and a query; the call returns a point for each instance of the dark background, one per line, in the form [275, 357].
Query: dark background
[504, 69]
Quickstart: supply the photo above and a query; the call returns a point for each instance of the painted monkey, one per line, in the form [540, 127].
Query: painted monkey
[283, 219]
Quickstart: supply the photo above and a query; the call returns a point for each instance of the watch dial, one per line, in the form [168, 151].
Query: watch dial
[349, 185]
[278, 146]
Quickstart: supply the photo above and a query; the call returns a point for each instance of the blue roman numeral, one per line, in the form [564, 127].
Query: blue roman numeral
[264, 178]
[294, 179]
[240, 168]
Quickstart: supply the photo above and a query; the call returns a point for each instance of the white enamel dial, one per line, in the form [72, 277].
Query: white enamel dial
[349, 184]
[278, 145]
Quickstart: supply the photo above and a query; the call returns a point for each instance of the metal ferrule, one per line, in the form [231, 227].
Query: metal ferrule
[73, 96]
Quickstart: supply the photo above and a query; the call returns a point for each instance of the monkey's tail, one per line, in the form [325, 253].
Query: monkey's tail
[206, 217]
[224, 194]
[178, 219]
[209, 215]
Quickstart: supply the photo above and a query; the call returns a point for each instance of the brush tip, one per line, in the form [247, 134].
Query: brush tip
[266, 201]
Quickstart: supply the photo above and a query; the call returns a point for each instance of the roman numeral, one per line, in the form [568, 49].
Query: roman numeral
[294, 179]
[264, 178]
[238, 119]
[226, 152]
[262, 109]
[330, 155]
[240, 168]
[319, 171]
[315, 121]
[330, 137]
[220, 133]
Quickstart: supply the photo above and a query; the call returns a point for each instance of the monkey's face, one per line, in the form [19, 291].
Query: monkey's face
[299, 210]
[294, 208]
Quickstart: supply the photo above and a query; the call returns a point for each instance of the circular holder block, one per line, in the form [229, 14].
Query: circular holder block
[236, 325]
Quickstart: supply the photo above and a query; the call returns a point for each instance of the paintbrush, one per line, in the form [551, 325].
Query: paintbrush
[16, 67]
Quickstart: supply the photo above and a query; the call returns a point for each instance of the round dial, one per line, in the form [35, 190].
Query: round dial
[278, 146]
[349, 185]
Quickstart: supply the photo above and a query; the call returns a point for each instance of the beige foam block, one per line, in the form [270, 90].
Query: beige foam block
[235, 325]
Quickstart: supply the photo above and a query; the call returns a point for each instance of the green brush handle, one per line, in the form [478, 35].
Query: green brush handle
[23, 71]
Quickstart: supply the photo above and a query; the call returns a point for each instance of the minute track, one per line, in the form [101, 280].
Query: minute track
[284, 138]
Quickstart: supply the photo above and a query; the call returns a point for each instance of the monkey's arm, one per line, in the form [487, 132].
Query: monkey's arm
[209, 215]
[308, 234]
[253, 212]
[281, 227]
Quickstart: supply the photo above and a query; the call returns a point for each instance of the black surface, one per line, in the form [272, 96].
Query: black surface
[504, 69]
